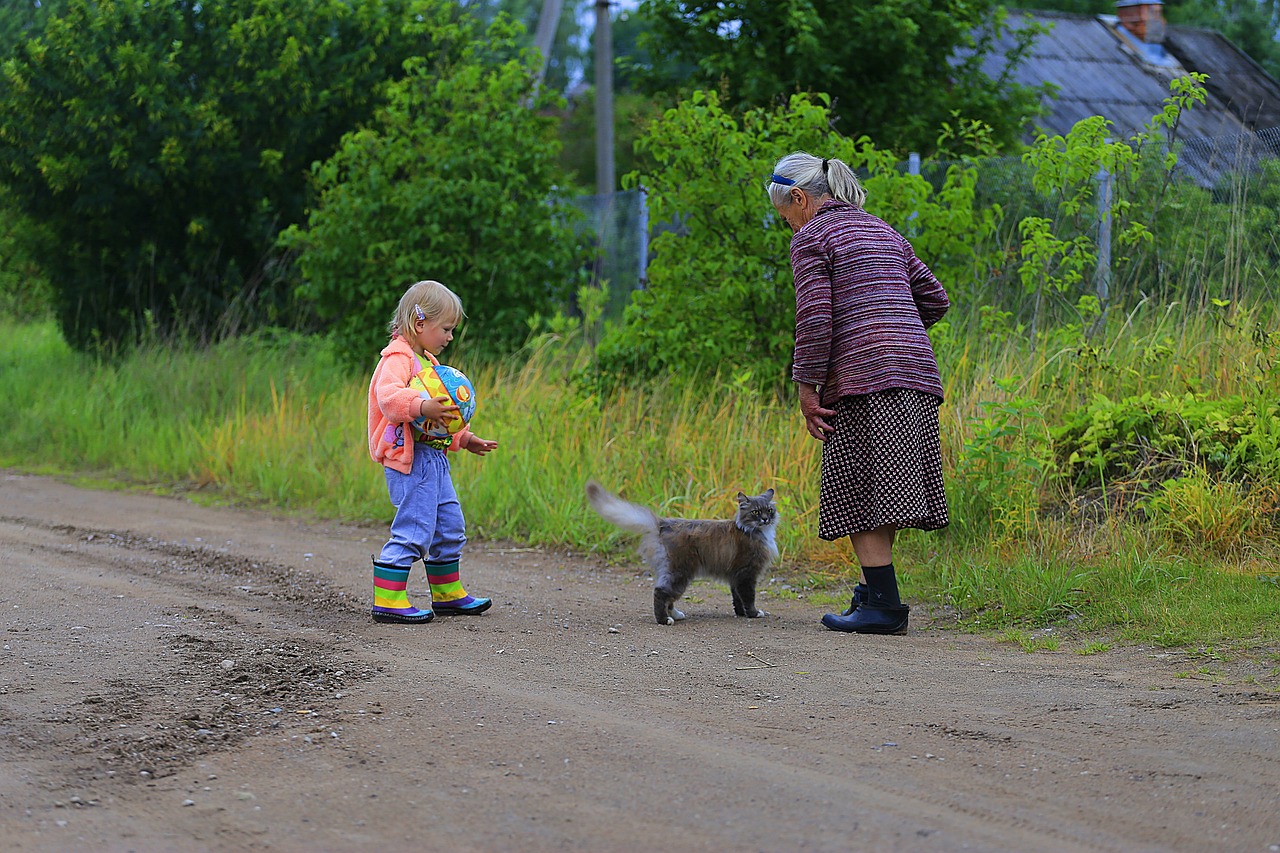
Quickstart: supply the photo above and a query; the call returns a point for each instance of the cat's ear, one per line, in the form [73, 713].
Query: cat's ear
[769, 494]
[742, 498]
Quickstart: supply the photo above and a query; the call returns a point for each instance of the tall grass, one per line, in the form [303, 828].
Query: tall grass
[273, 422]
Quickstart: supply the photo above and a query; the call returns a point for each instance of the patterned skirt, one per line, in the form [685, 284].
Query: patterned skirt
[882, 464]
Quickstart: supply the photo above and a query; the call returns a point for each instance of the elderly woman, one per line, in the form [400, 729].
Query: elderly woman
[868, 379]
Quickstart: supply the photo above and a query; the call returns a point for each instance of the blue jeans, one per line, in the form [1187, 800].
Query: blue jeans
[428, 524]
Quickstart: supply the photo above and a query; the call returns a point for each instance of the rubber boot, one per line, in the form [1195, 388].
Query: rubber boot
[447, 595]
[859, 597]
[870, 619]
[391, 601]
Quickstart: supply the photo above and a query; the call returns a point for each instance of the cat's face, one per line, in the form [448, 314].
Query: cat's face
[756, 511]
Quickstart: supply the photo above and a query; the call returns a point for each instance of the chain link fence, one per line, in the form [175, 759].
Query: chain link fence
[617, 225]
[1214, 221]
[1214, 225]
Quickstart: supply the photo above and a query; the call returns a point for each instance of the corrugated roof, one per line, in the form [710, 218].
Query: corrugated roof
[1234, 77]
[1100, 69]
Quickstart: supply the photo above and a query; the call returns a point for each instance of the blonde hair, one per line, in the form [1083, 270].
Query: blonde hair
[433, 299]
[817, 177]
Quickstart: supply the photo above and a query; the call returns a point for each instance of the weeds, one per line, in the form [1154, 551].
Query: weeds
[1183, 561]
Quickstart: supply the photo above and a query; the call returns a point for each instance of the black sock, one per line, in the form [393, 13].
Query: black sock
[882, 586]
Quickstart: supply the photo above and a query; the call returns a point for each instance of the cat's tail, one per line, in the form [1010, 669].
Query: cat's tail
[628, 516]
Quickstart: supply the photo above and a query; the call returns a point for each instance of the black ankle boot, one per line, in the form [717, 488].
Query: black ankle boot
[859, 597]
[870, 619]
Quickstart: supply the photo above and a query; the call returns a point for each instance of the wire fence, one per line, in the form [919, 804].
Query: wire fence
[617, 225]
[1214, 220]
[1215, 225]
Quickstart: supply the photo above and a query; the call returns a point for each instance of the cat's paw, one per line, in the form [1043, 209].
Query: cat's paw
[677, 615]
[670, 621]
[756, 614]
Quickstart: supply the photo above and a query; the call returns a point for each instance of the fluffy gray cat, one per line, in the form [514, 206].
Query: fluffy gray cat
[737, 550]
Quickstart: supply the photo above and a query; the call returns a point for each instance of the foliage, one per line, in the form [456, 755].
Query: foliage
[1199, 507]
[569, 48]
[1076, 7]
[1006, 462]
[24, 291]
[895, 71]
[1084, 178]
[1154, 437]
[277, 423]
[632, 116]
[453, 180]
[160, 145]
[1220, 243]
[634, 68]
[720, 289]
[20, 18]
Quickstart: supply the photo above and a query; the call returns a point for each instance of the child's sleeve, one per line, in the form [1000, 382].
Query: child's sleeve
[460, 439]
[398, 402]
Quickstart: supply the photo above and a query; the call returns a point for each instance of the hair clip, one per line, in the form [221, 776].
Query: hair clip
[422, 315]
[778, 179]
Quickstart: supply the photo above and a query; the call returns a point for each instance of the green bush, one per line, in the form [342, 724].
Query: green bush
[720, 291]
[160, 145]
[455, 180]
[1150, 438]
[24, 291]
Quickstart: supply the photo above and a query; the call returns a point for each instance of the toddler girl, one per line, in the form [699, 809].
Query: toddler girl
[428, 523]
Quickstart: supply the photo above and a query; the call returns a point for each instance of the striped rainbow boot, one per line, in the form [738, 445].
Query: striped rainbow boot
[447, 594]
[390, 601]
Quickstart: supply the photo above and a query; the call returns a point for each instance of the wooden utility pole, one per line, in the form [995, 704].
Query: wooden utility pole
[604, 99]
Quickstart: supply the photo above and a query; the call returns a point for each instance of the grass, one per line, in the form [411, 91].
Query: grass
[272, 421]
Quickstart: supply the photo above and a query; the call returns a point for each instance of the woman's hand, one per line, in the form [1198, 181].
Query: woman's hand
[438, 410]
[811, 408]
[479, 446]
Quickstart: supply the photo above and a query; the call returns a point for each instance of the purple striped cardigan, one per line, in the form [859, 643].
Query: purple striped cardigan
[863, 301]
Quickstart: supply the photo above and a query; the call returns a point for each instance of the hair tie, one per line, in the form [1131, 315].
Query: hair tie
[778, 179]
[824, 167]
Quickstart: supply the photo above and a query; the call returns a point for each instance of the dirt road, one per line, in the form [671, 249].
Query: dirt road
[183, 678]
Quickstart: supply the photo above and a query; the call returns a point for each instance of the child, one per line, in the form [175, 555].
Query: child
[428, 523]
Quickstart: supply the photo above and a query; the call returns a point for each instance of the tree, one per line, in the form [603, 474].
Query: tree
[895, 69]
[454, 180]
[568, 53]
[20, 18]
[720, 290]
[159, 145]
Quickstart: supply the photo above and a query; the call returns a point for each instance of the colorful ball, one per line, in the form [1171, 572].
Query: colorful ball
[439, 380]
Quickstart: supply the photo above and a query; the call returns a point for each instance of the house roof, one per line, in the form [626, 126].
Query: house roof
[1234, 78]
[1099, 68]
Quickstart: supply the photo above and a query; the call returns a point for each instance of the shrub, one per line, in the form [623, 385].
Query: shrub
[455, 180]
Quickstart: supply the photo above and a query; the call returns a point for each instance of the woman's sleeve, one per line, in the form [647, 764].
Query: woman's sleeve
[811, 268]
[930, 298]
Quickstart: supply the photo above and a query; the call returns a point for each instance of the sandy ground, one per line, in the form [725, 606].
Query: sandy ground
[175, 677]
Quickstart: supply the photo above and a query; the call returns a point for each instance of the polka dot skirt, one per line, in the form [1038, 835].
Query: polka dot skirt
[882, 465]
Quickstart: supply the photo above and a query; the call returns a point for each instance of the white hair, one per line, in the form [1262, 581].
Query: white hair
[817, 177]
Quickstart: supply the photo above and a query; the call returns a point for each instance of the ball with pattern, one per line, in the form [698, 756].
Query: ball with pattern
[440, 380]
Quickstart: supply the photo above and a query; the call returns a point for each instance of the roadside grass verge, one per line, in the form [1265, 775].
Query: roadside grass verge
[270, 421]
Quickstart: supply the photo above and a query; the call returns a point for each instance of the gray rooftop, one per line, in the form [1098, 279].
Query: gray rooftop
[1098, 68]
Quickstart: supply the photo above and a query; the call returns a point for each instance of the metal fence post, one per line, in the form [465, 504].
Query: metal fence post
[1102, 276]
[913, 168]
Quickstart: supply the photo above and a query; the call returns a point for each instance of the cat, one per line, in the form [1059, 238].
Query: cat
[737, 550]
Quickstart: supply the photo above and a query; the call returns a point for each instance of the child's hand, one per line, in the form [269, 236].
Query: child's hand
[438, 410]
[480, 446]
